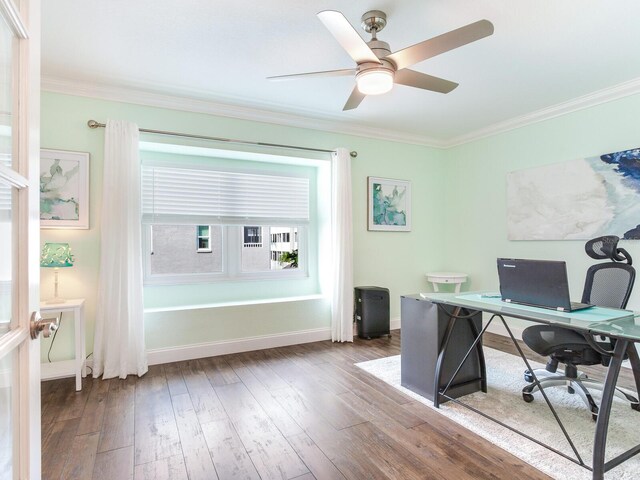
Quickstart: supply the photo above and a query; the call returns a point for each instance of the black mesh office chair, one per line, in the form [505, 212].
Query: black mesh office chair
[607, 285]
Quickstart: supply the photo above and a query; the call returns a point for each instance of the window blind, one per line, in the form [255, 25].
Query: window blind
[178, 195]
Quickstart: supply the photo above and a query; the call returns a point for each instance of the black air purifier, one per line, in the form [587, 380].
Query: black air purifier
[371, 311]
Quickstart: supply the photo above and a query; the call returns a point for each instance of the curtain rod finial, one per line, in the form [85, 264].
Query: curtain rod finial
[353, 154]
[94, 124]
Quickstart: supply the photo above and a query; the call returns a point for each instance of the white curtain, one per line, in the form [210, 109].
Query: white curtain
[342, 247]
[119, 348]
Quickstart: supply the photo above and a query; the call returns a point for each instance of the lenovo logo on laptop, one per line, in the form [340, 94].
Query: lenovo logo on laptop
[539, 283]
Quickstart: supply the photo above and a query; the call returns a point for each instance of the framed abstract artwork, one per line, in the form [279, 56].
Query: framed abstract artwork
[576, 199]
[389, 205]
[64, 189]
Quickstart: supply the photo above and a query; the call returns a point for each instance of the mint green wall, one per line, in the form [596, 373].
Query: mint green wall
[459, 211]
[395, 260]
[477, 227]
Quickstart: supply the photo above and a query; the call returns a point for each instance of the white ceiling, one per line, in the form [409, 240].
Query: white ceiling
[543, 53]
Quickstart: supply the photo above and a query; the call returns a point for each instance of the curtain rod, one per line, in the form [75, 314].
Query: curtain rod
[94, 124]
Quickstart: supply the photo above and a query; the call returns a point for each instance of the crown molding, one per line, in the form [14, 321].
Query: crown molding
[256, 112]
[599, 97]
[312, 120]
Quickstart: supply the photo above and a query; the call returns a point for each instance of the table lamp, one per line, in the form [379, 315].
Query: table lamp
[56, 256]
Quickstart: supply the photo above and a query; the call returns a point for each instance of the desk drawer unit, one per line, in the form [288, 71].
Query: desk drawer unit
[423, 327]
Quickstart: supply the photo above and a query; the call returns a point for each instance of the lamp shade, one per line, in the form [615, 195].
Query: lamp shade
[56, 255]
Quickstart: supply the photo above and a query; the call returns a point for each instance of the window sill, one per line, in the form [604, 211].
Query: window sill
[200, 278]
[238, 303]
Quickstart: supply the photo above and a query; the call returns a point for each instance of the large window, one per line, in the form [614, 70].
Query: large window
[196, 229]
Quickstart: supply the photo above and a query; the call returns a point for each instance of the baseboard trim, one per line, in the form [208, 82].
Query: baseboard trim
[394, 324]
[158, 356]
[55, 370]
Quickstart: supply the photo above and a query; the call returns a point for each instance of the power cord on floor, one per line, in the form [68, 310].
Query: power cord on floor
[87, 366]
[54, 338]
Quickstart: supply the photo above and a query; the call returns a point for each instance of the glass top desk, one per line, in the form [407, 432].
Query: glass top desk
[621, 325]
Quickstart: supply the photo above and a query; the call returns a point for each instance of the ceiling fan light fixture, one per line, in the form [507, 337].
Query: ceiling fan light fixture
[374, 82]
[377, 68]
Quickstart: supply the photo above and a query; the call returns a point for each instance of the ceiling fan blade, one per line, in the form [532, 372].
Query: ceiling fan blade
[347, 37]
[411, 78]
[442, 43]
[354, 99]
[326, 73]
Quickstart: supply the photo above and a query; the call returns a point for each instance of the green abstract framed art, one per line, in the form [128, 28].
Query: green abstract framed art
[64, 189]
[389, 205]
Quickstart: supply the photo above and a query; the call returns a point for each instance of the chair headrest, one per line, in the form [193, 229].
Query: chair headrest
[606, 247]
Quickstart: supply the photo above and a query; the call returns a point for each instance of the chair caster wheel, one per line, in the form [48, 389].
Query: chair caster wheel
[527, 397]
[528, 376]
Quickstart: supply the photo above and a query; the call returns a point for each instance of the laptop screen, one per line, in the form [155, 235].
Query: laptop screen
[534, 282]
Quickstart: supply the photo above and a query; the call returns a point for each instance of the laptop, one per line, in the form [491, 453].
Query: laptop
[539, 283]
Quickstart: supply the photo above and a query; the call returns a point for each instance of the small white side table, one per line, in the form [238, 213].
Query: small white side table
[77, 365]
[446, 277]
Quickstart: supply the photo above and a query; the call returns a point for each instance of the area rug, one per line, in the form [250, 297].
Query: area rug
[503, 400]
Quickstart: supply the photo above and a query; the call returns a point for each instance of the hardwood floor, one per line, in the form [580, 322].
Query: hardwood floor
[300, 412]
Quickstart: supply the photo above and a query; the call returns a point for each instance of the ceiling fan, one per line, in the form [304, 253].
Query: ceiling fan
[377, 68]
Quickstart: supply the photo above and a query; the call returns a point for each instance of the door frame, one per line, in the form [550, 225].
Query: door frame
[23, 19]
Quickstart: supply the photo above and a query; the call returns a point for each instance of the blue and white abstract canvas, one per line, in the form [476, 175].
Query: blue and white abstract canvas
[576, 200]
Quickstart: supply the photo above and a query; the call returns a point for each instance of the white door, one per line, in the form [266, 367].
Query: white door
[19, 238]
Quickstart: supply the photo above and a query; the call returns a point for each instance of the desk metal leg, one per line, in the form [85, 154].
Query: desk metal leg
[602, 425]
[632, 353]
[622, 347]
[441, 356]
[480, 352]
[477, 345]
